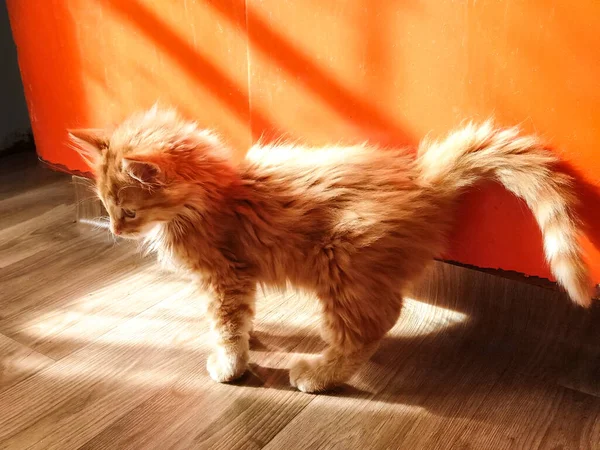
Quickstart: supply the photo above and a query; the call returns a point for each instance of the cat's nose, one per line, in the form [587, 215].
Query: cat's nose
[116, 230]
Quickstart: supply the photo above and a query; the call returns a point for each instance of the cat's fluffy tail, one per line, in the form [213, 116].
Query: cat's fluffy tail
[527, 169]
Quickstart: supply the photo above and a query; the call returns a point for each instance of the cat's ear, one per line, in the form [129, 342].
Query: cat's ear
[89, 143]
[145, 172]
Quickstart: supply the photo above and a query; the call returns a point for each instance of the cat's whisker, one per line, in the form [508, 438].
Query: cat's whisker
[96, 222]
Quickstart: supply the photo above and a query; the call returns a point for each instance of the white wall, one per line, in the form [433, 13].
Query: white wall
[14, 119]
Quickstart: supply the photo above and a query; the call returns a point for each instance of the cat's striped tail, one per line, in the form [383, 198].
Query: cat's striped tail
[527, 169]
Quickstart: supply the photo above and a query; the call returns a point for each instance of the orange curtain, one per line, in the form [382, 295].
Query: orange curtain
[328, 71]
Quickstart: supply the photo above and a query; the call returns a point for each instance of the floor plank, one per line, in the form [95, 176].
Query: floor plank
[17, 362]
[75, 398]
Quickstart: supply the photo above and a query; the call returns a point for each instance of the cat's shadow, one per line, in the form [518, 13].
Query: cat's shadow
[528, 346]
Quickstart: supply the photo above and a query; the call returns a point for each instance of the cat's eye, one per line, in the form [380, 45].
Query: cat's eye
[129, 213]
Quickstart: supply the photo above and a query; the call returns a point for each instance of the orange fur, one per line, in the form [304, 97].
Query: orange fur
[354, 225]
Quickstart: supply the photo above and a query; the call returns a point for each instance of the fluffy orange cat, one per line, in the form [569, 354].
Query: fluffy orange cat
[353, 225]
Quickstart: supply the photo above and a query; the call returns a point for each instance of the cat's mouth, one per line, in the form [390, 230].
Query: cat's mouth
[132, 235]
[116, 230]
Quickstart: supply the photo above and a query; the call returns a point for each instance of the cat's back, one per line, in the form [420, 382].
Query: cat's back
[333, 190]
[330, 166]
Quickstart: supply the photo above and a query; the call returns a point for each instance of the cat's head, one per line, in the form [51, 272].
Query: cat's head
[152, 168]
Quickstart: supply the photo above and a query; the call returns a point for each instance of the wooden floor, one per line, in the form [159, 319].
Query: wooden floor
[101, 350]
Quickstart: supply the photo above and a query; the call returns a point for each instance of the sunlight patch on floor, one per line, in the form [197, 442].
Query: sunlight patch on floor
[78, 370]
[420, 318]
[138, 306]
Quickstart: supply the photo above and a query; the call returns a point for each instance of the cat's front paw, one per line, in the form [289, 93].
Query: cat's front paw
[224, 367]
[312, 376]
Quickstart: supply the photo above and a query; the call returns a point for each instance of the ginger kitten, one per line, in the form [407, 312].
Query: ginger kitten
[354, 225]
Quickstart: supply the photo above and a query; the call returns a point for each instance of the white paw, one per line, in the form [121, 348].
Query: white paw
[225, 367]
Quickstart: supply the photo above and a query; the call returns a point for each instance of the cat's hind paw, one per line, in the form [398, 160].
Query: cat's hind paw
[312, 376]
